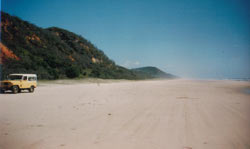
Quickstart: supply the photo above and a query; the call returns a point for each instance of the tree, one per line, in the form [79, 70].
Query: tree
[73, 71]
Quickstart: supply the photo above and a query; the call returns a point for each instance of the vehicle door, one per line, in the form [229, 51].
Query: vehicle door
[25, 82]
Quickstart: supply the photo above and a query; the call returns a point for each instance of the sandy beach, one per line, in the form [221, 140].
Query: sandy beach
[155, 114]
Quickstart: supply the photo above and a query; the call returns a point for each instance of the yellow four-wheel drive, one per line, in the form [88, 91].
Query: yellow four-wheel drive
[18, 82]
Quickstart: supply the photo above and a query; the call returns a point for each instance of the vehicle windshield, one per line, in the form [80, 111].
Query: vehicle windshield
[15, 77]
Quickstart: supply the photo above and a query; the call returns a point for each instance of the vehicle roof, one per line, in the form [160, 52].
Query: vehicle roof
[23, 74]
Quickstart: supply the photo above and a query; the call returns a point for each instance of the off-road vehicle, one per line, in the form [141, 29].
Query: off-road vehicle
[18, 82]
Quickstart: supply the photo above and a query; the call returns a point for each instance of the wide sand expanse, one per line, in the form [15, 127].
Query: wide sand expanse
[157, 114]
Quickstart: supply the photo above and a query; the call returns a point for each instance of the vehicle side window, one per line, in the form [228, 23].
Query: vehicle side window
[32, 78]
[25, 78]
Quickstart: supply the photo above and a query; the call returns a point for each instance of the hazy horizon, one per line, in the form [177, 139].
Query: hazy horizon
[190, 39]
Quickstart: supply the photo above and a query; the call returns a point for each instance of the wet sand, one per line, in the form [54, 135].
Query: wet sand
[157, 114]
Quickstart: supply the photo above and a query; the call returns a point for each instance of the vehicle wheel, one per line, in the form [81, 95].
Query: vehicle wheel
[15, 89]
[31, 89]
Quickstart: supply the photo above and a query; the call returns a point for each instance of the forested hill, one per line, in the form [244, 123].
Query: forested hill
[53, 53]
[152, 72]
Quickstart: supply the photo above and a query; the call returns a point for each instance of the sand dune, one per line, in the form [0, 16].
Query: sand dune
[169, 114]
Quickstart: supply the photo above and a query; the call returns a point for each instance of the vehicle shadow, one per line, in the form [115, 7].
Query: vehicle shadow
[10, 92]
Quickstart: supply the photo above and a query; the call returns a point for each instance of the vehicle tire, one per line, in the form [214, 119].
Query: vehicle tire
[15, 89]
[31, 89]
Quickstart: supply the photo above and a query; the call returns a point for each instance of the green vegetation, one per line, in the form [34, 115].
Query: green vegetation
[55, 53]
[152, 72]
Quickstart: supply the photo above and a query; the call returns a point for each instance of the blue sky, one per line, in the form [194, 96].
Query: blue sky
[189, 38]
